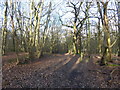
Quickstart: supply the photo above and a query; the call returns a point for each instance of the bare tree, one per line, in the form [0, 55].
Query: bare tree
[77, 25]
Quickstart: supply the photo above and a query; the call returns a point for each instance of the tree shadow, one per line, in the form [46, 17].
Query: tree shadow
[54, 66]
[62, 65]
[68, 66]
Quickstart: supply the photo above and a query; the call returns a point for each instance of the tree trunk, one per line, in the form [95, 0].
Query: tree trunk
[119, 28]
[12, 22]
[107, 42]
[4, 30]
[75, 39]
[80, 43]
[38, 47]
[99, 38]
[19, 21]
[31, 42]
[15, 40]
[89, 36]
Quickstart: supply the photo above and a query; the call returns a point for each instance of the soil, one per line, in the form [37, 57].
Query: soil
[61, 71]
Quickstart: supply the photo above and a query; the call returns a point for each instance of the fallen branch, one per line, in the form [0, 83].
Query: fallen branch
[111, 77]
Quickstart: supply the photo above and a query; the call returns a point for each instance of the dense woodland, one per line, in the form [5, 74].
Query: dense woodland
[70, 26]
[40, 32]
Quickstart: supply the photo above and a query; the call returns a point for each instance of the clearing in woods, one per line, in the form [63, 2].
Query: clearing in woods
[60, 70]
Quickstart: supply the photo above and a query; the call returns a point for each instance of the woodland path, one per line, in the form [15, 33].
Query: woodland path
[60, 70]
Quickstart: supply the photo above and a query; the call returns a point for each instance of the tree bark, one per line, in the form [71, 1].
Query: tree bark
[38, 47]
[119, 28]
[15, 40]
[75, 39]
[4, 30]
[99, 38]
[107, 42]
[30, 38]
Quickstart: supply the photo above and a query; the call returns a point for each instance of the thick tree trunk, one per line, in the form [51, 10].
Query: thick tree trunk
[75, 40]
[38, 47]
[34, 41]
[107, 42]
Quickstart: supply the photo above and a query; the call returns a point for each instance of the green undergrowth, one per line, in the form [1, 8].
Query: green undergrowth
[109, 64]
[113, 65]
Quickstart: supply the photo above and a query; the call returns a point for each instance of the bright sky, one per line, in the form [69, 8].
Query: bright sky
[61, 8]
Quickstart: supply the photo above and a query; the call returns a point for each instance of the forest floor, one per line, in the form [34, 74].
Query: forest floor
[60, 71]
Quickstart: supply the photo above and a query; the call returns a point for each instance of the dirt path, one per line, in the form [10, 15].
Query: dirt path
[60, 70]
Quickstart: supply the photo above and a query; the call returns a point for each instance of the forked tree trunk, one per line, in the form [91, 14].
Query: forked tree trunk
[34, 39]
[107, 42]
